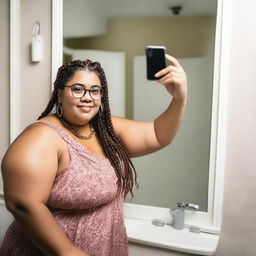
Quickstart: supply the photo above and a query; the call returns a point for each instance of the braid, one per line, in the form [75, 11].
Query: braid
[50, 105]
[102, 123]
[114, 148]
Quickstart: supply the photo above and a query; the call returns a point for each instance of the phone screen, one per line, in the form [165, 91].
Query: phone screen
[155, 56]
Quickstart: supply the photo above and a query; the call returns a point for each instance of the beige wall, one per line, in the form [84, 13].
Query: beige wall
[238, 233]
[35, 77]
[183, 37]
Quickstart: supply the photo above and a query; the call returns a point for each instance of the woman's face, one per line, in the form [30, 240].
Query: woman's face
[80, 111]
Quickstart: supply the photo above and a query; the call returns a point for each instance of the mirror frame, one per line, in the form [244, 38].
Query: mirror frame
[14, 69]
[209, 221]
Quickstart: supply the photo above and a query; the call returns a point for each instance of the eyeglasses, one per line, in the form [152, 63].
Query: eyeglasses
[78, 91]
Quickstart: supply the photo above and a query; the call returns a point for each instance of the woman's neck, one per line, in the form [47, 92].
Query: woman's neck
[84, 132]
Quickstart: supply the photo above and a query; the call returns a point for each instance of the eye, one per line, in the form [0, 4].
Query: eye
[77, 89]
[95, 91]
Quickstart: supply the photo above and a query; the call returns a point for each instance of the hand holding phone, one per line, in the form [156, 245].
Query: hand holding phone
[174, 78]
[155, 56]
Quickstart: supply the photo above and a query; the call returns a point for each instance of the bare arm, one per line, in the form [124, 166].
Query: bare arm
[29, 169]
[141, 138]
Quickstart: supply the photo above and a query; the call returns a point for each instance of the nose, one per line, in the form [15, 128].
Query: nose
[87, 97]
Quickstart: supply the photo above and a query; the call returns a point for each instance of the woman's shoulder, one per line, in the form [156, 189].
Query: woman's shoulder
[52, 119]
[37, 134]
[37, 145]
[44, 126]
[40, 129]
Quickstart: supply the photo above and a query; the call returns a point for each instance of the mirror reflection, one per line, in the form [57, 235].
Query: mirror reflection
[116, 33]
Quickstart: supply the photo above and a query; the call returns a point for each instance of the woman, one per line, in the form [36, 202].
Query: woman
[66, 175]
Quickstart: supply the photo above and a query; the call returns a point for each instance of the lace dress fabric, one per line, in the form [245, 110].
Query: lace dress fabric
[84, 202]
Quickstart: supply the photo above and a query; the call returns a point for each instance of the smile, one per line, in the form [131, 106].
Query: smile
[86, 108]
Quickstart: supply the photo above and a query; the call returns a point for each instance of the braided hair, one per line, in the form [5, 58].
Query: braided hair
[102, 124]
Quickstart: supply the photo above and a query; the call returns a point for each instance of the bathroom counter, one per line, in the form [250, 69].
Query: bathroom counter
[144, 232]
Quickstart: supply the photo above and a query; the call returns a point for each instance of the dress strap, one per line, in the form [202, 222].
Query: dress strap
[73, 143]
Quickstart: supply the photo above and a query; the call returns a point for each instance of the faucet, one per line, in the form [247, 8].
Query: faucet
[178, 214]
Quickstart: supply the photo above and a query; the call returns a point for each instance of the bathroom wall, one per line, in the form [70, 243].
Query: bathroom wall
[239, 209]
[238, 233]
[35, 77]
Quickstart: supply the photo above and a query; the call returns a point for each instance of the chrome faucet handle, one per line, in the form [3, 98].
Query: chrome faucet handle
[193, 207]
[182, 205]
[188, 206]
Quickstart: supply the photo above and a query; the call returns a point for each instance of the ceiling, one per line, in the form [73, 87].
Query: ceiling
[89, 17]
[133, 8]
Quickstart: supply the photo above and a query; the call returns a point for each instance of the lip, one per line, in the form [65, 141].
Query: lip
[85, 108]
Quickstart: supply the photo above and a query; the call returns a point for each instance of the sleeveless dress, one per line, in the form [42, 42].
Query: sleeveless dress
[84, 202]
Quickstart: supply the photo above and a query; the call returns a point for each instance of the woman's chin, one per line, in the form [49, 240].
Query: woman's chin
[85, 118]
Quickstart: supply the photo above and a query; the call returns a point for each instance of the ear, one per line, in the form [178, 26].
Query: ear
[59, 95]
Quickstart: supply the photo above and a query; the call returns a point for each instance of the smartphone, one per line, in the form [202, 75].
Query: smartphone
[155, 56]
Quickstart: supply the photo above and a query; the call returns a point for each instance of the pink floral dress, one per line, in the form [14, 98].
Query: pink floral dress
[84, 202]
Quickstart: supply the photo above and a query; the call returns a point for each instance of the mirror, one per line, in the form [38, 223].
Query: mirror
[120, 30]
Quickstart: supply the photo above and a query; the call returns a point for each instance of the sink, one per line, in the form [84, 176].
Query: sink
[144, 232]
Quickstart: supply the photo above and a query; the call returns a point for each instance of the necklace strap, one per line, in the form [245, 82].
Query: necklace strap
[67, 125]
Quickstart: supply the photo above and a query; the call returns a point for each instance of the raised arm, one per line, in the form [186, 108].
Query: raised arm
[29, 169]
[142, 138]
